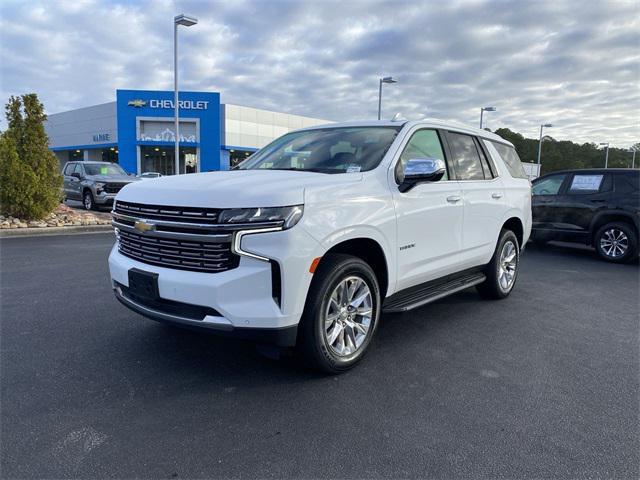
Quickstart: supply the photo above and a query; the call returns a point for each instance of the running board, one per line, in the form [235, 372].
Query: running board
[420, 295]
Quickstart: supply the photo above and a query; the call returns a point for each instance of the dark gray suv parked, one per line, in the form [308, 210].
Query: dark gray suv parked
[94, 183]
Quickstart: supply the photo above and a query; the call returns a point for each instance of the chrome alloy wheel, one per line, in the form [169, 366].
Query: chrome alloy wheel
[88, 201]
[614, 243]
[347, 319]
[508, 266]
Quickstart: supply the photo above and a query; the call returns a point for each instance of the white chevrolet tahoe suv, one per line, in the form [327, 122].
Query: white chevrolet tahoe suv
[308, 241]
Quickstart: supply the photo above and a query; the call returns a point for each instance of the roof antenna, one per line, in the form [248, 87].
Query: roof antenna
[398, 118]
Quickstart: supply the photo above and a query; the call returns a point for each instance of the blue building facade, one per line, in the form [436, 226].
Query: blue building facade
[138, 132]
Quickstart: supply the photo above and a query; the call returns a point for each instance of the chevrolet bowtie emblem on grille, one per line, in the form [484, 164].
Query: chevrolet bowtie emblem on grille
[137, 103]
[143, 227]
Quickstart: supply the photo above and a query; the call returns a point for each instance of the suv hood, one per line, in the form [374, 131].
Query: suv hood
[112, 178]
[232, 189]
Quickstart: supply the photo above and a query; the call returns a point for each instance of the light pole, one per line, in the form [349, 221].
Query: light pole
[633, 158]
[485, 109]
[186, 21]
[383, 80]
[606, 153]
[544, 125]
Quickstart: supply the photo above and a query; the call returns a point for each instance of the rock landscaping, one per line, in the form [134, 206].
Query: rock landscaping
[63, 216]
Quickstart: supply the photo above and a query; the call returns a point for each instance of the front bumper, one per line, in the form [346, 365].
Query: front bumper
[104, 198]
[283, 337]
[240, 301]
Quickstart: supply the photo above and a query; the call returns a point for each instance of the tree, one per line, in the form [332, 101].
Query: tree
[31, 181]
[564, 155]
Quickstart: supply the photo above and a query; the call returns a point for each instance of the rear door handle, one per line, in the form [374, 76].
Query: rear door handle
[496, 195]
[454, 198]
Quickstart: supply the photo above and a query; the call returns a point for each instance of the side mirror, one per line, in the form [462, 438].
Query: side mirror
[420, 170]
[76, 175]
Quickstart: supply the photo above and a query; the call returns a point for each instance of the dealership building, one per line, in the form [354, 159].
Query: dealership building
[137, 131]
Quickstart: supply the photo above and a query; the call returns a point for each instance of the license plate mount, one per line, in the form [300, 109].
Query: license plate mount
[143, 284]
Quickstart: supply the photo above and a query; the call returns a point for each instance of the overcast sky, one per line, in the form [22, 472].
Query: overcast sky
[572, 63]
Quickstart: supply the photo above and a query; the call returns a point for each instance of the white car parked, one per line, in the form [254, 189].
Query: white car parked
[307, 242]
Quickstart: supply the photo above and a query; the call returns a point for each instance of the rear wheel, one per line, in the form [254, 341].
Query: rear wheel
[341, 314]
[502, 270]
[616, 242]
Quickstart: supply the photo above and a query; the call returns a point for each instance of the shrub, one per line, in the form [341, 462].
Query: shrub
[30, 181]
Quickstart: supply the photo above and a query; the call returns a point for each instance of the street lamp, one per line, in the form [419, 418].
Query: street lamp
[606, 153]
[185, 21]
[485, 109]
[633, 159]
[544, 125]
[383, 80]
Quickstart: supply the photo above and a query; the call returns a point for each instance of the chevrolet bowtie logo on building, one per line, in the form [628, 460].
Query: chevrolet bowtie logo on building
[137, 103]
[143, 226]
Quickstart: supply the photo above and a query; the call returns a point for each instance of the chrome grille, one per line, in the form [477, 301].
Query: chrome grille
[114, 187]
[172, 214]
[201, 256]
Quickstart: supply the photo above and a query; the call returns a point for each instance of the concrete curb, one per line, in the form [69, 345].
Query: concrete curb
[33, 232]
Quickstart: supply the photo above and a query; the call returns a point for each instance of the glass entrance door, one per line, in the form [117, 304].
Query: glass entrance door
[161, 159]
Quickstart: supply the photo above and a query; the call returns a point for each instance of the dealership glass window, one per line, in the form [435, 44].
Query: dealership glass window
[164, 131]
[161, 159]
[237, 156]
[76, 155]
[110, 155]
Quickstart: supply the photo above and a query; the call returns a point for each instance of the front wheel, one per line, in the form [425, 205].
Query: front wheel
[616, 242]
[87, 201]
[341, 314]
[502, 270]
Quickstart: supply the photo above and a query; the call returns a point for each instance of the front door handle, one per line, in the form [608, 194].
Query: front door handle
[496, 195]
[454, 198]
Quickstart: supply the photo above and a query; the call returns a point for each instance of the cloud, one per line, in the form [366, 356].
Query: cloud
[573, 63]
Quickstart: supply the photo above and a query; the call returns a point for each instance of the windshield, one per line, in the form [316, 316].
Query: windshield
[325, 150]
[103, 169]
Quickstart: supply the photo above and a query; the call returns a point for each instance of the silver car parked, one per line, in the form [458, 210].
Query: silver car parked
[94, 183]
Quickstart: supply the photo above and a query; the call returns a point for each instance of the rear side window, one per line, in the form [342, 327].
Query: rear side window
[627, 183]
[466, 159]
[589, 183]
[511, 160]
[549, 185]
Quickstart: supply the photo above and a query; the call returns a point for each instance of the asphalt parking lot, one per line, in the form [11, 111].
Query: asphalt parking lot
[543, 384]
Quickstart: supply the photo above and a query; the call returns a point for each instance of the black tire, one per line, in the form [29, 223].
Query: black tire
[492, 288]
[313, 344]
[87, 200]
[612, 237]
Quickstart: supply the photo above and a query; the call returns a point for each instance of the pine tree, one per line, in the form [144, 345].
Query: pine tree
[31, 181]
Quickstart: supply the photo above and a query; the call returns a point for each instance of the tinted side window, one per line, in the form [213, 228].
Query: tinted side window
[68, 168]
[79, 169]
[582, 184]
[511, 160]
[422, 144]
[466, 160]
[489, 170]
[549, 185]
[627, 183]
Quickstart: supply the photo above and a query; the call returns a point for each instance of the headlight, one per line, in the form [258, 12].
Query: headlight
[288, 215]
[99, 186]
